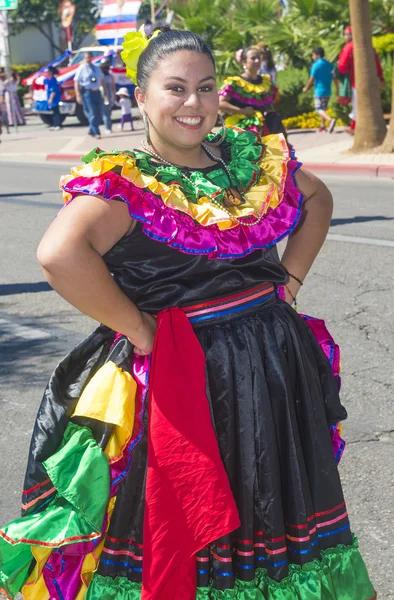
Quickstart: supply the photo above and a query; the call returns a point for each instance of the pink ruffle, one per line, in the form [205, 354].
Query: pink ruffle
[333, 354]
[326, 343]
[229, 93]
[181, 232]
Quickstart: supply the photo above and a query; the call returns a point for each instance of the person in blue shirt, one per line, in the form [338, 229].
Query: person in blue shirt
[321, 76]
[53, 96]
[87, 82]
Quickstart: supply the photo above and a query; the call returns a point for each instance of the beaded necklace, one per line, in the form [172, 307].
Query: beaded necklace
[218, 159]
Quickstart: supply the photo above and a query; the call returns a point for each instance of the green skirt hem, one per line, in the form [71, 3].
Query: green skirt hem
[340, 573]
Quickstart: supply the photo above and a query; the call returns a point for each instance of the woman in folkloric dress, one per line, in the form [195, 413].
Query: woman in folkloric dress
[247, 100]
[187, 449]
[14, 109]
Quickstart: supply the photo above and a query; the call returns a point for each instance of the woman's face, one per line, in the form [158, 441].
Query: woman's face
[252, 61]
[181, 100]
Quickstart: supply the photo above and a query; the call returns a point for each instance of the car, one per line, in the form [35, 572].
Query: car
[67, 65]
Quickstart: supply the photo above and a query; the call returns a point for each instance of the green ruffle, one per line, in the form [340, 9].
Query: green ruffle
[244, 167]
[80, 473]
[340, 574]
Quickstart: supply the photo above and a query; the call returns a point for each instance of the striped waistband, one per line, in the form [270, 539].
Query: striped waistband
[248, 300]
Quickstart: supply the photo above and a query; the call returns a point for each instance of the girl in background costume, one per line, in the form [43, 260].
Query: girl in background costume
[267, 63]
[247, 100]
[14, 109]
[187, 449]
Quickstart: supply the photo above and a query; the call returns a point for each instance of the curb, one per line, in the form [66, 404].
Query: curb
[64, 157]
[351, 169]
[334, 169]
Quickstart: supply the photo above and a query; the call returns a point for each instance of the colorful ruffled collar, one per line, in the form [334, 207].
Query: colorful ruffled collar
[245, 154]
[245, 167]
[265, 87]
[272, 204]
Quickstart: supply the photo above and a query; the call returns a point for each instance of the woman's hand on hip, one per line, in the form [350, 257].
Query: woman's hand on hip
[143, 339]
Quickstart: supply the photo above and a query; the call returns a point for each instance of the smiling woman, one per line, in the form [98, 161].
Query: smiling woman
[187, 449]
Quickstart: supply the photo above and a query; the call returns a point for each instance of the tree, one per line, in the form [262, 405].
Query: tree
[41, 15]
[371, 128]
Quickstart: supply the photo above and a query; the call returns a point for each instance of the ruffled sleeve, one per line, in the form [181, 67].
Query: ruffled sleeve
[227, 89]
[270, 211]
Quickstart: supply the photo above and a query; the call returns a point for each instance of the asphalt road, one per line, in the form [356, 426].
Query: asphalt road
[351, 286]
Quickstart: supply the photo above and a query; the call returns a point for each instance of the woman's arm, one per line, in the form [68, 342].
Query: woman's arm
[71, 256]
[229, 109]
[304, 244]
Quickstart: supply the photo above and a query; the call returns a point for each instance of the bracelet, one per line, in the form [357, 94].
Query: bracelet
[293, 276]
[291, 296]
[296, 278]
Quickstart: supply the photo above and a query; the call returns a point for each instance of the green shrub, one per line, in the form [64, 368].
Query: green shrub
[292, 101]
[24, 71]
[387, 64]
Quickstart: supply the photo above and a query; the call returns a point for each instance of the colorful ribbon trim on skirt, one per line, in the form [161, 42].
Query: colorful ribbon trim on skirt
[230, 305]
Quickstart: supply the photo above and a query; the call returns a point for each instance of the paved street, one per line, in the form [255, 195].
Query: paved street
[351, 286]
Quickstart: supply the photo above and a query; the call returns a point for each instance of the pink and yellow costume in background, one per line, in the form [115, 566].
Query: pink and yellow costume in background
[208, 470]
[260, 95]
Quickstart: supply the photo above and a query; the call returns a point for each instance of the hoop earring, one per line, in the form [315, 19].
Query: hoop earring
[146, 127]
[216, 142]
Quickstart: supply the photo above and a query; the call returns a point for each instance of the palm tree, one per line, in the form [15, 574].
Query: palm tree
[371, 128]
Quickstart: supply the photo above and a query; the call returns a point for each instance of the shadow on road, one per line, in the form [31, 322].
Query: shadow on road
[19, 194]
[26, 360]
[366, 219]
[8, 289]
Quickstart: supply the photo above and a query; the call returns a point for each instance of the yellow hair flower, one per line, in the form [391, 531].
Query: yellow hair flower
[134, 44]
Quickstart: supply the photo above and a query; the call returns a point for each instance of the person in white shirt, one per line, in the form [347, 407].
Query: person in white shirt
[87, 82]
[125, 105]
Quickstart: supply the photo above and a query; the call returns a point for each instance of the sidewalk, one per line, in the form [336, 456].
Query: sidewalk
[330, 153]
[319, 152]
[35, 143]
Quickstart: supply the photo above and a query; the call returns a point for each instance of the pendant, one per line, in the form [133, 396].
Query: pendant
[232, 197]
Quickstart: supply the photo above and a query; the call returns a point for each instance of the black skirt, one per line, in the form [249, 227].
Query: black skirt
[273, 400]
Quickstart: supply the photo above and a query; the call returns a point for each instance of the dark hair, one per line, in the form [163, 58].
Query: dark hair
[268, 58]
[165, 44]
[245, 51]
[319, 51]
[53, 70]
[162, 28]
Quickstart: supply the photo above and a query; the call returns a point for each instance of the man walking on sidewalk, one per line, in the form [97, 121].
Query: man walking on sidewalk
[321, 77]
[346, 67]
[88, 80]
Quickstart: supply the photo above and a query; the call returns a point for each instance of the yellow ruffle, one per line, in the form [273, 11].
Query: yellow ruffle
[251, 88]
[233, 120]
[110, 397]
[35, 587]
[266, 193]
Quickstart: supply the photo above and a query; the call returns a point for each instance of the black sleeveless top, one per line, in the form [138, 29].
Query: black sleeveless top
[156, 276]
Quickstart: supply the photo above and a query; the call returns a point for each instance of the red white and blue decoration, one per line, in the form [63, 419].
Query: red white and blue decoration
[116, 19]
